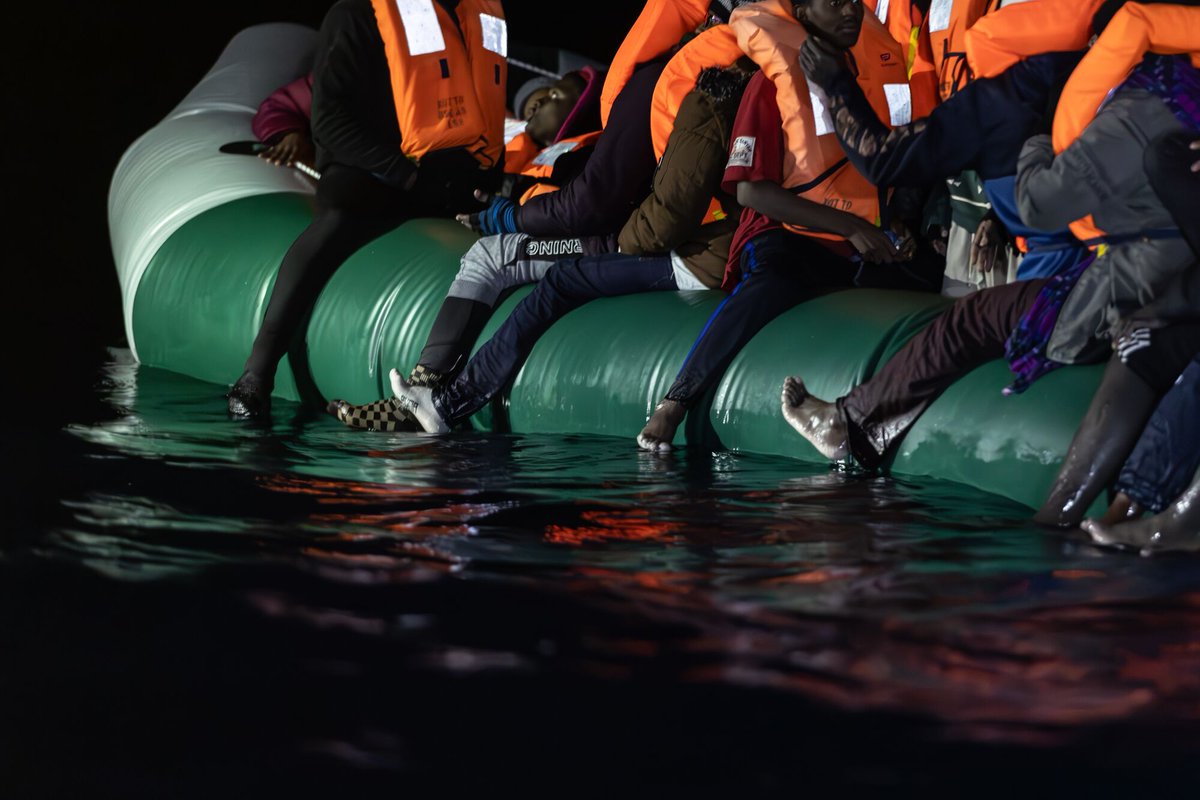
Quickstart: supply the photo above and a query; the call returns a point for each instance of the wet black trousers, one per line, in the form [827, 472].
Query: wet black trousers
[352, 209]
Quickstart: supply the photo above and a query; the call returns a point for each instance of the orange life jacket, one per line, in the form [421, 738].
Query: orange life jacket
[909, 27]
[449, 87]
[948, 22]
[541, 166]
[1134, 31]
[657, 29]
[1013, 33]
[519, 152]
[814, 163]
[715, 47]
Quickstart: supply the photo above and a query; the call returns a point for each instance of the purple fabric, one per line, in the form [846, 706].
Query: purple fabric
[1026, 345]
[585, 116]
[1176, 81]
[287, 109]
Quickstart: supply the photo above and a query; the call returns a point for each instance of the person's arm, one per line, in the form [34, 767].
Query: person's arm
[922, 152]
[1104, 163]
[350, 63]
[687, 178]
[287, 109]
[772, 200]
[615, 179]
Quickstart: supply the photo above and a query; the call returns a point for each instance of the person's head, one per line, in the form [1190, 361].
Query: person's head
[838, 22]
[547, 114]
[535, 88]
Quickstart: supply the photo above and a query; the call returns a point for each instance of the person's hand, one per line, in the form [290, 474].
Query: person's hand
[872, 243]
[821, 61]
[987, 245]
[293, 147]
[940, 239]
[906, 243]
[498, 217]
[1196, 164]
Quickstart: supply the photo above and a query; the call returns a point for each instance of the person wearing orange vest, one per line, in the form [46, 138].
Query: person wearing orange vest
[408, 119]
[1042, 324]
[811, 222]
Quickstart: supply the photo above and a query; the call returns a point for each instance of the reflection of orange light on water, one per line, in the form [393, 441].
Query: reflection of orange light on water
[1076, 574]
[633, 525]
[347, 491]
[814, 576]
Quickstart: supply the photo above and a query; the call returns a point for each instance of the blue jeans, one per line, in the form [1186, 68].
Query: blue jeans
[567, 285]
[1165, 458]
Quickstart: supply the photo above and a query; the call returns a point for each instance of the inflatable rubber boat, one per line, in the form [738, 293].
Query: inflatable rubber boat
[198, 235]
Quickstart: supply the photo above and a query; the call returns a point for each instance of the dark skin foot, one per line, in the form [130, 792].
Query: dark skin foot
[1175, 530]
[660, 429]
[816, 420]
[1122, 509]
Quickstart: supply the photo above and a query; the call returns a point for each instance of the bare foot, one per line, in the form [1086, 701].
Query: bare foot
[418, 401]
[660, 429]
[816, 420]
[1176, 529]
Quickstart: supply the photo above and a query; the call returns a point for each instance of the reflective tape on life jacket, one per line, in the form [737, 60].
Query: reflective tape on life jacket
[907, 25]
[948, 22]
[815, 166]
[1015, 32]
[541, 166]
[448, 86]
[657, 29]
[1134, 31]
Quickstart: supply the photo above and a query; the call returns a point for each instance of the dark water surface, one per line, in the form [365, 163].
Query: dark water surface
[197, 607]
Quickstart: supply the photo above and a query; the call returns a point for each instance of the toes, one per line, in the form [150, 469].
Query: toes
[652, 443]
[397, 382]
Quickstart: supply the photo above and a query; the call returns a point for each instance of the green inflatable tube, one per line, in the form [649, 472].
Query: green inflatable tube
[600, 369]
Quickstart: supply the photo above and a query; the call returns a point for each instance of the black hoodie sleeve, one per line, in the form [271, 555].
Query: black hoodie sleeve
[616, 178]
[353, 112]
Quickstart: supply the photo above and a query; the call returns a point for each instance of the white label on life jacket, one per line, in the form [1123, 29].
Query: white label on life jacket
[550, 154]
[820, 107]
[421, 27]
[495, 34]
[741, 154]
[939, 15]
[881, 10]
[899, 100]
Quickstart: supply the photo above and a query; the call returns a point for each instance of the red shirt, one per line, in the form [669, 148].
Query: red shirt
[756, 154]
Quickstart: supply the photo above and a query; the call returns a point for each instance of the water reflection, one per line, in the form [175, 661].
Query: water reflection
[574, 556]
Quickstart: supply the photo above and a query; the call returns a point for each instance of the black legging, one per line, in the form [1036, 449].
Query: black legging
[352, 209]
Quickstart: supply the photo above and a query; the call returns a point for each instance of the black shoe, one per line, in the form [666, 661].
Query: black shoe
[249, 397]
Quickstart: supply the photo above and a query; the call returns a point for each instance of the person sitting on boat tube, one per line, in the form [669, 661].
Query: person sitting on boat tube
[408, 119]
